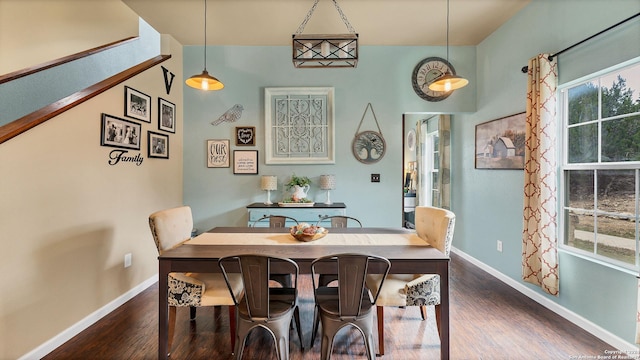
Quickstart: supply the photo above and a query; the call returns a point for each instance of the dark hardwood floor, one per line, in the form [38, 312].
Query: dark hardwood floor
[489, 320]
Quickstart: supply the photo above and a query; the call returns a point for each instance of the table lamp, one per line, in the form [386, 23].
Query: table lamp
[268, 183]
[328, 182]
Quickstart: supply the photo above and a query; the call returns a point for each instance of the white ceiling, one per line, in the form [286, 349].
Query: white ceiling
[378, 22]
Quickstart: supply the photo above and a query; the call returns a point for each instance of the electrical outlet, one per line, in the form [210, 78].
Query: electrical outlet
[127, 260]
[499, 246]
[375, 177]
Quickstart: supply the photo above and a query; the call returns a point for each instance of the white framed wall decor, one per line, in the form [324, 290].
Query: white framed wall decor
[299, 125]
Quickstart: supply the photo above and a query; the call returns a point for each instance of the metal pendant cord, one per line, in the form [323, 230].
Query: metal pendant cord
[313, 8]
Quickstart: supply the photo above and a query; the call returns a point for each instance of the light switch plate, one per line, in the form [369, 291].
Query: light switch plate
[375, 177]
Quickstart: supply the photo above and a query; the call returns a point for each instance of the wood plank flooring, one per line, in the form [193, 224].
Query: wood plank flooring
[489, 320]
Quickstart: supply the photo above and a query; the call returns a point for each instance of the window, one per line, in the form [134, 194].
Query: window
[600, 183]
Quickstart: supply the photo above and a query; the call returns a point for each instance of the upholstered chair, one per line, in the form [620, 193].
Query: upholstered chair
[170, 228]
[435, 226]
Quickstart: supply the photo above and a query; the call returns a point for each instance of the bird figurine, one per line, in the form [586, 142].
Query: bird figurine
[230, 115]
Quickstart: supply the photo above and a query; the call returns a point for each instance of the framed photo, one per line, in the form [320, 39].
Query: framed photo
[166, 115]
[121, 133]
[500, 143]
[245, 161]
[137, 105]
[218, 153]
[299, 125]
[158, 145]
[245, 135]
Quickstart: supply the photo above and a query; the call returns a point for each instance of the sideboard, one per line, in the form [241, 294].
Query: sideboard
[308, 214]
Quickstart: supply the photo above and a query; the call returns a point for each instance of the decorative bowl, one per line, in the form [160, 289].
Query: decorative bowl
[300, 236]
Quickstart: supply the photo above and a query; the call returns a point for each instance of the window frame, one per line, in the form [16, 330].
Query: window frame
[564, 166]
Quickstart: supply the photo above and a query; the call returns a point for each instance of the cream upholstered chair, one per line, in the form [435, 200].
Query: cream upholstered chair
[435, 226]
[170, 228]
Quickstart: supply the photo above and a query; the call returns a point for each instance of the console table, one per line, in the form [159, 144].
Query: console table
[308, 214]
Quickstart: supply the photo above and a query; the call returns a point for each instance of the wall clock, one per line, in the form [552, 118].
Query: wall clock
[425, 72]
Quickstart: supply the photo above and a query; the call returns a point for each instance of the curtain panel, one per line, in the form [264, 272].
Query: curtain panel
[539, 236]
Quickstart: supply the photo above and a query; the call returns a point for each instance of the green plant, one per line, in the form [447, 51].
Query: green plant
[298, 180]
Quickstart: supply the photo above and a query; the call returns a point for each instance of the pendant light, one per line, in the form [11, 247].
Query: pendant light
[448, 81]
[204, 81]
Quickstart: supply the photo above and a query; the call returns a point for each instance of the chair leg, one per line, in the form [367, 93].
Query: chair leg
[380, 316]
[438, 320]
[316, 324]
[192, 312]
[296, 314]
[232, 326]
[423, 312]
[172, 328]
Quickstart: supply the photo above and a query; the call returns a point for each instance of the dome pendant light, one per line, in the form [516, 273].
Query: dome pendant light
[204, 81]
[448, 81]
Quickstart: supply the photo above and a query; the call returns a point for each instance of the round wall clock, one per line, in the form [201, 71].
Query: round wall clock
[425, 72]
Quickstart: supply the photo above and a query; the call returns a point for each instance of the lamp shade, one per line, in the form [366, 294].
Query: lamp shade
[204, 81]
[448, 82]
[327, 182]
[269, 182]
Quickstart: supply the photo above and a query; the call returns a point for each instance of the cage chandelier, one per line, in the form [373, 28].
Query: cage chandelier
[323, 51]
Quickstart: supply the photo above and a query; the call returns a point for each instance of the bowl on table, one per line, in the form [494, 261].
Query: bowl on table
[306, 232]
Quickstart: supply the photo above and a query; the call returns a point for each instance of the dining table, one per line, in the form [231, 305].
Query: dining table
[408, 254]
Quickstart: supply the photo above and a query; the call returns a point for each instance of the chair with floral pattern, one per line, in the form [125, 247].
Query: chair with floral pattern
[170, 228]
[435, 226]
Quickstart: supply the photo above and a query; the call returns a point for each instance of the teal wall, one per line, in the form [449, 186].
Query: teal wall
[382, 78]
[488, 203]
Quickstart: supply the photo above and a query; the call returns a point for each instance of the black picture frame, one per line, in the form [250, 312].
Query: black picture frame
[157, 145]
[120, 133]
[166, 115]
[245, 135]
[137, 105]
[245, 162]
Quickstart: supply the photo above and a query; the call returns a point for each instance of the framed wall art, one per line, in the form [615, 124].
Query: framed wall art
[137, 105]
[157, 145]
[500, 143]
[245, 135]
[299, 125]
[218, 153]
[121, 133]
[245, 161]
[166, 115]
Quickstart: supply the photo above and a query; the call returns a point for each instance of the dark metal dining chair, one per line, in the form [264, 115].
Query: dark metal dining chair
[275, 221]
[262, 305]
[338, 221]
[351, 303]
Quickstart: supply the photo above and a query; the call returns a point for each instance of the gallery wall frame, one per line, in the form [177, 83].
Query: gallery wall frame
[120, 133]
[157, 145]
[500, 143]
[218, 153]
[245, 162]
[245, 135]
[299, 125]
[137, 105]
[166, 115]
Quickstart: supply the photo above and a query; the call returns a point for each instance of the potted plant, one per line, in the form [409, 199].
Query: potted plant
[300, 186]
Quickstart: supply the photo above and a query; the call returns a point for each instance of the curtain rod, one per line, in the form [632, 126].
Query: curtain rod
[526, 68]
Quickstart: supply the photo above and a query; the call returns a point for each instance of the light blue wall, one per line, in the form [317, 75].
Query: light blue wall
[488, 203]
[18, 97]
[383, 78]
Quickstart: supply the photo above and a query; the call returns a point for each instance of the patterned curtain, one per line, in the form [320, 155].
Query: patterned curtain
[638, 316]
[539, 240]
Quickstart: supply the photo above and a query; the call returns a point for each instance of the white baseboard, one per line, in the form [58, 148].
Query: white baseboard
[595, 330]
[81, 325]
